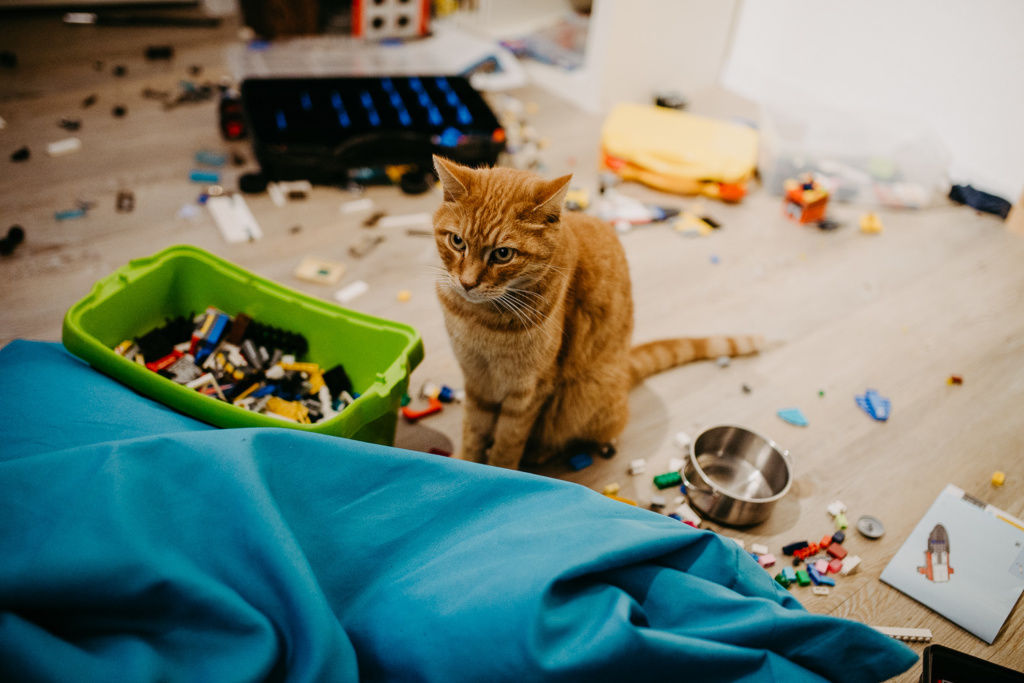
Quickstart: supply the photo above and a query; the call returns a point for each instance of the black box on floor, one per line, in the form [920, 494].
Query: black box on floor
[323, 129]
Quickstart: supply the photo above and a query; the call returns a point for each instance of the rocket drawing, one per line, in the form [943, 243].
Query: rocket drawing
[936, 556]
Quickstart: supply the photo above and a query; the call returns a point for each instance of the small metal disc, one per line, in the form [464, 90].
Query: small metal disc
[870, 526]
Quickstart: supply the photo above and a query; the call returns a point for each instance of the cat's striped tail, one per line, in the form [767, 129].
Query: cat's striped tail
[657, 356]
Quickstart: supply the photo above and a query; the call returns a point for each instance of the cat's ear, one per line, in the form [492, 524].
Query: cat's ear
[454, 178]
[551, 198]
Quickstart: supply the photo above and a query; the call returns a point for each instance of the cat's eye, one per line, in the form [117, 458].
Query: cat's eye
[502, 255]
[457, 242]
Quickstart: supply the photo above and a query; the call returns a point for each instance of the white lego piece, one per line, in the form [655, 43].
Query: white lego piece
[283, 190]
[389, 19]
[350, 292]
[913, 635]
[658, 501]
[682, 440]
[835, 507]
[687, 514]
[287, 359]
[758, 548]
[357, 205]
[738, 541]
[850, 565]
[326, 407]
[276, 195]
[638, 466]
[65, 146]
[410, 220]
[675, 464]
[233, 218]
[820, 590]
[275, 372]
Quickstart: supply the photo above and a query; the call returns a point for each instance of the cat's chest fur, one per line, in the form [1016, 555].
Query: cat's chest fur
[497, 352]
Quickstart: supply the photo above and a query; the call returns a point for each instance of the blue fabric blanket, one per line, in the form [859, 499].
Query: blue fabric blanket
[139, 545]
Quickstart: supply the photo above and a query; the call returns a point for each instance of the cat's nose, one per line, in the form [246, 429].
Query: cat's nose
[468, 285]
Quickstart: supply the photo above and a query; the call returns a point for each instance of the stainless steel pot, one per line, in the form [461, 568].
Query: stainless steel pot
[735, 476]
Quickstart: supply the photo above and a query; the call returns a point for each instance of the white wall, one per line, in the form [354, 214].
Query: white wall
[958, 65]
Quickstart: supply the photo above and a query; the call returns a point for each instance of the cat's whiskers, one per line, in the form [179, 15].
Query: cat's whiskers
[531, 318]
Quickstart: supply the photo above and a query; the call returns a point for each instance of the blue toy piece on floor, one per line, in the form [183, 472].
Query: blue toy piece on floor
[875, 405]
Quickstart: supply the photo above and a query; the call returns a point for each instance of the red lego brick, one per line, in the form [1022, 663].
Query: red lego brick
[837, 551]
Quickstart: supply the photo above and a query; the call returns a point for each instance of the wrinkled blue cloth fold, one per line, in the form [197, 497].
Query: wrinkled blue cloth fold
[137, 544]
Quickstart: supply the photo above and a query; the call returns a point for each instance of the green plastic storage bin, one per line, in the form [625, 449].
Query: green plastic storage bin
[377, 354]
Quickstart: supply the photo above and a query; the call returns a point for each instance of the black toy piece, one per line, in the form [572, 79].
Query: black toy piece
[325, 130]
[15, 236]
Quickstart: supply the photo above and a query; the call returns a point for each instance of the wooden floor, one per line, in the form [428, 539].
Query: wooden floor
[941, 292]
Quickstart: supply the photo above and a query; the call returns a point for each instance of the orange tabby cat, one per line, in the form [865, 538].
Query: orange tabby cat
[538, 307]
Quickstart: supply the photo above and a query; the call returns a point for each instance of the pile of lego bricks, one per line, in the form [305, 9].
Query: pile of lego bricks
[245, 363]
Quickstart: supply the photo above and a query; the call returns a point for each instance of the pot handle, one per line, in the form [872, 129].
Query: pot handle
[686, 480]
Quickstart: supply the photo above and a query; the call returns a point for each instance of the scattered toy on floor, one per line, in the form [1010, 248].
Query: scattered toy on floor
[15, 236]
[793, 416]
[875, 405]
[320, 271]
[871, 224]
[125, 202]
[806, 200]
[980, 201]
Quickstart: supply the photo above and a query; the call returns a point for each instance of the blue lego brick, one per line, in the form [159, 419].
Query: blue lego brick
[789, 573]
[818, 578]
[580, 461]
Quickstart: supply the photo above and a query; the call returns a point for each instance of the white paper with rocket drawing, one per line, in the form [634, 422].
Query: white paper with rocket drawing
[965, 560]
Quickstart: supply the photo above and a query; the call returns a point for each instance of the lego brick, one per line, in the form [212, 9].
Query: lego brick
[837, 551]
[841, 521]
[627, 501]
[758, 548]
[613, 489]
[781, 579]
[793, 547]
[838, 537]
[836, 507]
[820, 590]
[913, 635]
[821, 566]
[825, 541]
[667, 480]
[835, 566]
[789, 573]
[637, 466]
[804, 553]
[850, 565]
[688, 515]
[766, 560]
[656, 501]
[803, 578]
[580, 461]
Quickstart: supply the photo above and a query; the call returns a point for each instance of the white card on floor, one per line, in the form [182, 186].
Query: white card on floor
[233, 218]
